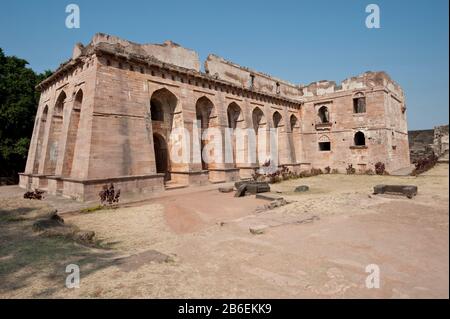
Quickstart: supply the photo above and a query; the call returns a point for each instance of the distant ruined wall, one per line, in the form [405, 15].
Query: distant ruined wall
[440, 140]
[244, 77]
[423, 143]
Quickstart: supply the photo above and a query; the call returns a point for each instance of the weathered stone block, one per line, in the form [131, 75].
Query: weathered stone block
[408, 190]
[258, 230]
[228, 189]
[301, 188]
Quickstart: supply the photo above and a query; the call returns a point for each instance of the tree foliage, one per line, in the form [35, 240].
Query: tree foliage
[18, 105]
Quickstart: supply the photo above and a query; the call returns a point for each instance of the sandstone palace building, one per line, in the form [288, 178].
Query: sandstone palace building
[107, 115]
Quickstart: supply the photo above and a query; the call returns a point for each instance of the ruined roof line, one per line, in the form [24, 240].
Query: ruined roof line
[178, 58]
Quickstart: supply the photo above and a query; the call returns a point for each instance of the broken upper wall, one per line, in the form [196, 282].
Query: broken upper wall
[249, 79]
[168, 52]
[363, 81]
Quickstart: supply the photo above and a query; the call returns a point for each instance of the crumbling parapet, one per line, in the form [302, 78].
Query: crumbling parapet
[242, 76]
[363, 81]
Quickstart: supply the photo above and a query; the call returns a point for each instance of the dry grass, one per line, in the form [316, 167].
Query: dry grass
[27, 258]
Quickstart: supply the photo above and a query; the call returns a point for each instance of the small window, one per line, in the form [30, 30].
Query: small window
[360, 139]
[324, 146]
[359, 105]
[324, 115]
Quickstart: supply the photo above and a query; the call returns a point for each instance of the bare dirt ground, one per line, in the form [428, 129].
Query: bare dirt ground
[198, 244]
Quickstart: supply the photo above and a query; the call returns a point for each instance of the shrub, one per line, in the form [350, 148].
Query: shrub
[304, 174]
[350, 169]
[424, 164]
[327, 170]
[36, 194]
[335, 171]
[108, 195]
[380, 168]
[316, 171]
[369, 172]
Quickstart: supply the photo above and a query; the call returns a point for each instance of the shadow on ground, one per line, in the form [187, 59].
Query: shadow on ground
[27, 256]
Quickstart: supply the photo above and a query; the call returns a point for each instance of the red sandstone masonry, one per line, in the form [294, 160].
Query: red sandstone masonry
[108, 134]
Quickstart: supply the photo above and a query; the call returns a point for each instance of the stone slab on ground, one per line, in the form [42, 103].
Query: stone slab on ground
[258, 230]
[407, 190]
[301, 189]
[269, 196]
[227, 189]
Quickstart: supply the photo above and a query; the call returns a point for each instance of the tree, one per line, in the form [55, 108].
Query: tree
[18, 105]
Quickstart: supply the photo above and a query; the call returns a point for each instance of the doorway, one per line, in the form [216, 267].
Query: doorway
[161, 156]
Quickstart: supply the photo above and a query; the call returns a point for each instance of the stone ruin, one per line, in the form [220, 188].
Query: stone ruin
[107, 114]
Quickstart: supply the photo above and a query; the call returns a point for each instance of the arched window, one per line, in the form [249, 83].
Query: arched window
[359, 103]
[360, 139]
[324, 115]
[203, 109]
[293, 122]
[59, 105]
[276, 119]
[258, 119]
[234, 115]
[162, 105]
[78, 100]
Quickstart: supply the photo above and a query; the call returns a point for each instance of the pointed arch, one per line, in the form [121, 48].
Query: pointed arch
[72, 134]
[258, 119]
[260, 123]
[165, 115]
[54, 135]
[323, 114]
[293, 122]
[277, 119]
[204, 110]
[294, 139]
[163, 104]
[235, 116]
[41, 131]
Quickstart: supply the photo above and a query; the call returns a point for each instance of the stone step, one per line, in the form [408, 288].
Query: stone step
[172, 186]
